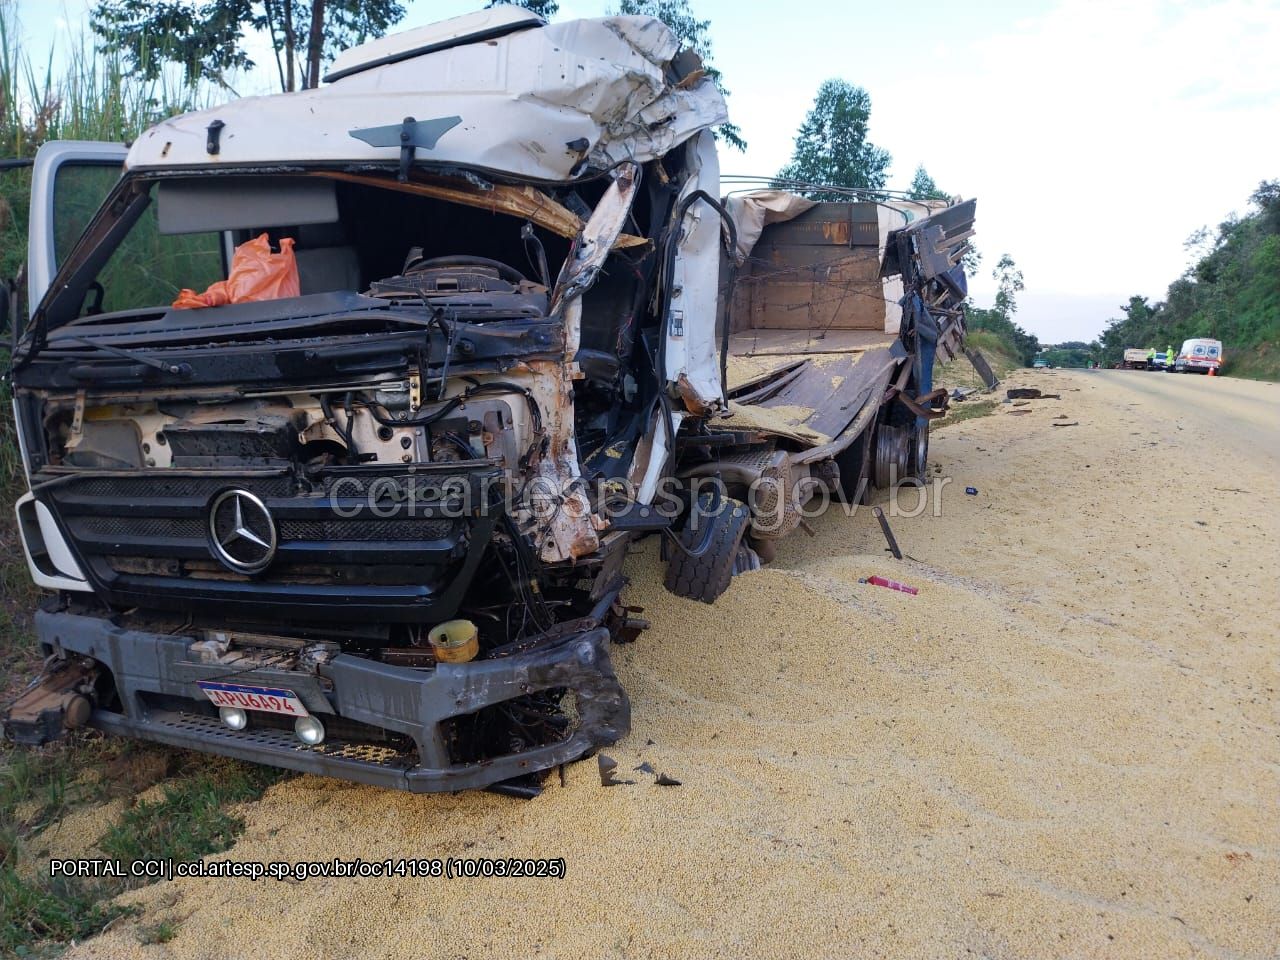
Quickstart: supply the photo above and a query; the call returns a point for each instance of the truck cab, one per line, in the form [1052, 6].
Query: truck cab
[372, 524]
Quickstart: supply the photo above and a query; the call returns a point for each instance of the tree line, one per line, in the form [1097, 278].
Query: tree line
[1230, 292]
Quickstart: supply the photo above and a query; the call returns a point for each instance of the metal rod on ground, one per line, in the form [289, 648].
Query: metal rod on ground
[888, 534]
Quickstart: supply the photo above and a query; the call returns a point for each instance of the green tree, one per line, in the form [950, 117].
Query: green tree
[206, 38]
[998, 318]
[1230, 292]
[1008, 285]
[832, 147]
[692, 34]
[546, 9]
[923, 188]
[1267, 199]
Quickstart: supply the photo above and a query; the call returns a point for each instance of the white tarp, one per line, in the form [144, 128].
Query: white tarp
[752, 212]
[522, 99]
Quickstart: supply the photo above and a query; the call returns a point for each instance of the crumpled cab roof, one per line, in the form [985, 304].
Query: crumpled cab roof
[512, 95]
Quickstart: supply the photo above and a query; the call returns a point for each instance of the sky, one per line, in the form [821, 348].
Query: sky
[1096, 136]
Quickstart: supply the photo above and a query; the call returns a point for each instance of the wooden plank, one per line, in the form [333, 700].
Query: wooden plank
[789, 285]
[797, 344]
[831, 394]
[523, 201]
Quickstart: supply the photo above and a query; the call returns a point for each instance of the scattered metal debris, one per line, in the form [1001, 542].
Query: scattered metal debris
[666, 781]
[607, 767]
[1073, 423]
[984, 369]
[888, 534]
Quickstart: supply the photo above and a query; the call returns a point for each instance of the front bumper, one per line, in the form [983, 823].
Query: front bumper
[155, 677]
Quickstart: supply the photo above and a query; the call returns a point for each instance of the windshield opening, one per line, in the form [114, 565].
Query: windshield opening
[369, 234]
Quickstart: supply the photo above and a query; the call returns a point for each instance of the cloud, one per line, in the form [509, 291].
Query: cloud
[1098, 136]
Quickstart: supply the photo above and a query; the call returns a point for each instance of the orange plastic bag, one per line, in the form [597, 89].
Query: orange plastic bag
[256, 274]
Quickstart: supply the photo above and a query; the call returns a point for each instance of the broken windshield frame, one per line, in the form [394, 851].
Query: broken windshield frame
[129, 200]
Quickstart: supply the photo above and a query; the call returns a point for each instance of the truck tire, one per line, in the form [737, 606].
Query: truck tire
[706, 576]
[854, 465]
[904, 445]
[920, 451]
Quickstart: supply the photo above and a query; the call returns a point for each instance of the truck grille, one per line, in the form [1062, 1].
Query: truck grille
[150, 535]
[186, 528]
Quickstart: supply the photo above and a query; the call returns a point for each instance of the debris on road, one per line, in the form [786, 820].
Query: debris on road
[890, 584]
[1073, 423]
[1030, 393]
[608, 766]
[888, 534]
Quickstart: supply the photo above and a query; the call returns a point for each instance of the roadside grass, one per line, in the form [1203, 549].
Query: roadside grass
[154, 933]
[93, 98]
[18, 595]
[191, 819]
[37, 918]
[39, 788]
[999, 353]
[960, 373]
[1261, 362]
[969, 410]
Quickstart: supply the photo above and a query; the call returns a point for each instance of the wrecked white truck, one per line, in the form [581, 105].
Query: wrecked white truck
[372, 525]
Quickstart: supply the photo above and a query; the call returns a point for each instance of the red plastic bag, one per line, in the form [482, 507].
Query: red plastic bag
[256, 274]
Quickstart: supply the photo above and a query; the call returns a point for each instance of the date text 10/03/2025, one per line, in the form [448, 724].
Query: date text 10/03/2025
[443, 868]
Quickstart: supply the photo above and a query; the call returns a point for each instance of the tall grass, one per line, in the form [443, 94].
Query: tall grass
[84, 94]
[89, 96]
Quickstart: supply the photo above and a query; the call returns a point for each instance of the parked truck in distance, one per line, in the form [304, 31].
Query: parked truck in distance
[1135, 358]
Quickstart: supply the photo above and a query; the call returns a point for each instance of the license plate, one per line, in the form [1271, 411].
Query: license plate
[245, 697]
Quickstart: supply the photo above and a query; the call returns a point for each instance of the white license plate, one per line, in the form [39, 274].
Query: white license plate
[245, 697]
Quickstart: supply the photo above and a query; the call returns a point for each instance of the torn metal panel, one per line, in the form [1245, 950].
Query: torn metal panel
[546, 102]
[935, 244]
[596, 240]
[693, 347]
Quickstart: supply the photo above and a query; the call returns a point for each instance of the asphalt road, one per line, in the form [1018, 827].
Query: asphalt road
[1234, 418]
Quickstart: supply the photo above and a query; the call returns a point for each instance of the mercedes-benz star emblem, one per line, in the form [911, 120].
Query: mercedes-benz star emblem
[241, 531]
